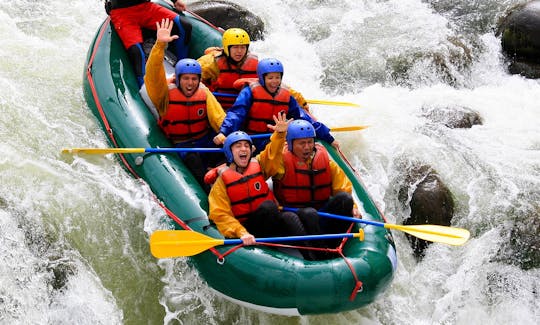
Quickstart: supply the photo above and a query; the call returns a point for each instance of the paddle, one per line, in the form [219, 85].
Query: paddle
[175, 243]
[102, 151]
[309, 101]
[433, 233]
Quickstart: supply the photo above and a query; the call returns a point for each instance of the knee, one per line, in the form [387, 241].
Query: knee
[269, 207]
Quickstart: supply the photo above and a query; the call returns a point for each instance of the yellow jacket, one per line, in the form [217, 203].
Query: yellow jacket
[220, 205]
[157, 87]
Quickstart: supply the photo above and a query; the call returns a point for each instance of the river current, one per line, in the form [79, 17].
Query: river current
[74, 230]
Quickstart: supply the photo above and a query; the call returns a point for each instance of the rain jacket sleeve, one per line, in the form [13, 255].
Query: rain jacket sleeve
[220, 205]
[236, 115]
[340, 182]
[216, 114]
[210, 69]
[155, 79]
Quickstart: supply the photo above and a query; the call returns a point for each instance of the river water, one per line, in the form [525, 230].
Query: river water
[74, 230]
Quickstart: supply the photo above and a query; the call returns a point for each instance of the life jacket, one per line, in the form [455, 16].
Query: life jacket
[186, 118]
[246, 191]
[229, 73]
[264, 107]
[302, 186]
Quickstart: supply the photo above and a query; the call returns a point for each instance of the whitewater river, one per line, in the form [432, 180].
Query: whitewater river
[74, 230]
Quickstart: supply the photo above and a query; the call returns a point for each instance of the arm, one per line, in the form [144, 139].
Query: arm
[340, 182]
[210, 70]
[321, 130]
[236, 115]
[221, 213]
[216, 114]
[271, 158]
[300, 99]
[155, 79]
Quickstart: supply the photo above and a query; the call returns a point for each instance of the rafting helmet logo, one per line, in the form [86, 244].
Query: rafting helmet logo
[234, 36]
[186, 66]
[232, 139]
[266, 66]
[298, 129]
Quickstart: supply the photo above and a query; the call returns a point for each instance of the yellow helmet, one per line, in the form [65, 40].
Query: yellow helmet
[234, 36]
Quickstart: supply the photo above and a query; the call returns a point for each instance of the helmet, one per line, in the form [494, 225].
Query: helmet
[234, 36]
[185, 66]
[299, 129]
[232, 139]
[266, 66]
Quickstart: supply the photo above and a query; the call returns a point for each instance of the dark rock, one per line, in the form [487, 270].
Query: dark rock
[452, 117]
[431, 202]
[226, 14]
[520, 37]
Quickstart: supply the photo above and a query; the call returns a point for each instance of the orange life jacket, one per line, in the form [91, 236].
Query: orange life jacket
[229, 73]
[264, 107]
[246, 191]
[186, 118]
[302, 186]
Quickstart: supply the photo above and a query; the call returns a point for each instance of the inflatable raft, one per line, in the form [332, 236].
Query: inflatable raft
[258, 277]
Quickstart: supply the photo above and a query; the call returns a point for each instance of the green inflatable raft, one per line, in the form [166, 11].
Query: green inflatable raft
[257, 277]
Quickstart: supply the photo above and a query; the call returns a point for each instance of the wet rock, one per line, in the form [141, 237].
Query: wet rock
[523, 245]
[226, 14]
[520, 38]
[452, 117]
[431, 202]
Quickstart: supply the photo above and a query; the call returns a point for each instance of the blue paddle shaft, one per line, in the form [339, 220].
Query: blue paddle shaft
[290, 238]
[335, 216]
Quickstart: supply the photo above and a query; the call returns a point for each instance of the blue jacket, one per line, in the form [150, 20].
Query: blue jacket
[236, 116]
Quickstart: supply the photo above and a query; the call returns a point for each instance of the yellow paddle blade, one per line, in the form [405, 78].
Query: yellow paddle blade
[349, 128]
[435, 233]
[174, 243]
[101, 151]
[330, 102]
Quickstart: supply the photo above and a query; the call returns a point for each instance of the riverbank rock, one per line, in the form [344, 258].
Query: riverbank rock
[520, 38]
[226, 14]
[452, 117]
[431, 202]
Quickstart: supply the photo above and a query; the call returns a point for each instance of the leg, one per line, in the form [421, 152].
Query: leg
[182, 27]
[340, 204]
[194, 163]
[138, 61]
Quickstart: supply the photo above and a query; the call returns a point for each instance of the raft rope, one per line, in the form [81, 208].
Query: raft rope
[358, 285]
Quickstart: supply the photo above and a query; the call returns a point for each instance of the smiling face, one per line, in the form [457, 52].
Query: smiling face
[303, 148]
[237, 52]
[241, 152]
[189, 83]
[272, 81]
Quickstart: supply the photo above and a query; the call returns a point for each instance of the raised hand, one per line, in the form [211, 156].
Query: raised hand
[281, 123]
[163, 32]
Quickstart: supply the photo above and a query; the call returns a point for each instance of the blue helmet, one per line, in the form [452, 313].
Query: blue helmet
[232, 139]
[299, 129]
[266, 66]
[185, 66]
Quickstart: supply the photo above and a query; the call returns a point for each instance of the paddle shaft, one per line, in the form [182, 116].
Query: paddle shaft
[309, 101]
[292, 238]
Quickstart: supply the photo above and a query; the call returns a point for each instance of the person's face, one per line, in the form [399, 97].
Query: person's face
[241, 152]
[303, 147]
[189, 83]
[237, 52]
[272, 81]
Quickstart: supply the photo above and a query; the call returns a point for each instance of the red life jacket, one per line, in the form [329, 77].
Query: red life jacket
[186, 118]
[302, 186]
[264, 107]
[246, 191]
[229, 73]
